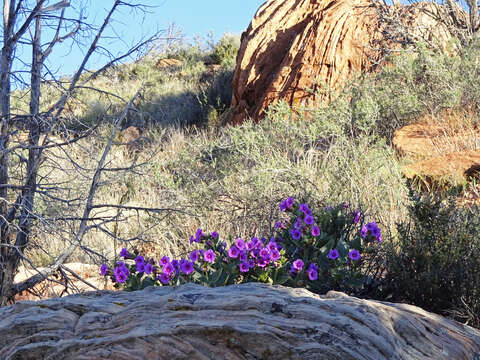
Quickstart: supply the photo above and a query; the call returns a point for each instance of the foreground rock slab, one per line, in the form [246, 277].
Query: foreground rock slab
[249, 321]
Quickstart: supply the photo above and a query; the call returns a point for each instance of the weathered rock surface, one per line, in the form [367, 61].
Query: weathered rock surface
[249, 321]
[439, 153]
[59, 286]
[167, 64]
[295, 49]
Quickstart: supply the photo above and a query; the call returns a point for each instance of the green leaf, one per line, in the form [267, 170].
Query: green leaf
[215, 278]
[342, 248]
[148, 281]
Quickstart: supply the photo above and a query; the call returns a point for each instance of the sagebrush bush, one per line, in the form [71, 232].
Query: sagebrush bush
[414, 83]
[226, 49]
[434, 263]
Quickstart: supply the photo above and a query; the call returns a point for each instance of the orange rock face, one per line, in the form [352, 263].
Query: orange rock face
[440, 153]
[298, 50]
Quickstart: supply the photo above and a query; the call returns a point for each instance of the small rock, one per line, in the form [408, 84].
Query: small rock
[168, 64]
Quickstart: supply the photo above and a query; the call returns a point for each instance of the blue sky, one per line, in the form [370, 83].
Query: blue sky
[192, 17]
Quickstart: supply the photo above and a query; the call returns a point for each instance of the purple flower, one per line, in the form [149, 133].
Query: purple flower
[329, 208]
[289, 202]
[250, 245]
[272, 245]
[373, 229]
[243, 256]
[164, 278]
[275, 255]
[139, 260]
[292, 270]
[209, 256]
[243, 266]
[164, 260]
[103, 269]
[296, 234]
[240, 244]
[176, 265]
[333, 254]
[123, 253]
[148, 268]
[309, 220]
[303, 208]
[121, 272]
[364, 231]
[168, 268]
[141, 267]
[214, 234]
[312, 274]
[251, 263]
[121, 277]
[194, 255]
[283, 206]
[354, 254]
[356, 218]
[313, 266]
[186, 267]
[298, 224]
[262, 262]
[315, 230]
[277, 225]
[265, 254]
[233, 252]
[298, 265]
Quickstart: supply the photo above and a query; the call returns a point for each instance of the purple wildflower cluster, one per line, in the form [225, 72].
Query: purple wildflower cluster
[254, 253]
[297, 267]
[121, 272]
[371, 230]
[258, 259]
[305, 225]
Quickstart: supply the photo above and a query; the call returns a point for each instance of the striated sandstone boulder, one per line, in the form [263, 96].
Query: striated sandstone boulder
[295, 49]
[439, 153]
[249, 321]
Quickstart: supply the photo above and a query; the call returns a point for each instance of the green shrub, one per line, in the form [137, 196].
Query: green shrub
[225, 51]
[417, 83]
[435, 263]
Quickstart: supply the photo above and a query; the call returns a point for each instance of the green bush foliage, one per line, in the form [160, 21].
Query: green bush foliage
[435, 263]
[226, 49]
[415, 83]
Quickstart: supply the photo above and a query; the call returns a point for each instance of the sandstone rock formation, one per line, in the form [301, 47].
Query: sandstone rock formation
[299, 50]
[59, 286]
[439, 153]
[249, 321]
[168, 64]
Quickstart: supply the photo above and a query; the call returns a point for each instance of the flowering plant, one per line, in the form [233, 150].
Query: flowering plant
[332, 244]
[319, 251]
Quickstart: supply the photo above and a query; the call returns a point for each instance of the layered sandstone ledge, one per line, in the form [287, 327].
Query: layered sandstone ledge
[249, 321]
